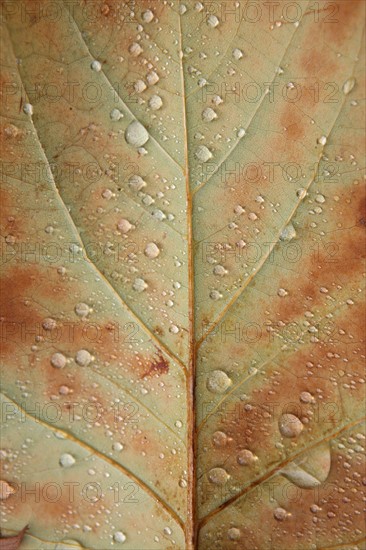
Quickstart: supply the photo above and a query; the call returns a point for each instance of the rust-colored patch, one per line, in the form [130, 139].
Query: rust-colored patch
[157, 366]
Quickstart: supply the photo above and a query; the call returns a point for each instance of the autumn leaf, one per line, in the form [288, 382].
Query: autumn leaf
[182, 227]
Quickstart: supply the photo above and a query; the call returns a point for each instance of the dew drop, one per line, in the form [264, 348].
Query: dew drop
[152, 250]
[67, 460]
[139, 285]
[233, 533]
[203, 153]
[82, 309]
[96, 66]
[237, 54]
[136, 183]
[218, 476]
[28, 109]
[290, 425]
[136, 134]
[218, 381]
[322, 140]
[208, 114]
[83, 358]
[246, 458]
[152, 78]
[220, 439]
[135, 49]
[349, 85]
[58, 360]
[155, 102]
[120, 537]
[212, 21]
[124, 226]
[49, 324]
[288, 233]
[148, 16]
[139, 86]
[280, 514]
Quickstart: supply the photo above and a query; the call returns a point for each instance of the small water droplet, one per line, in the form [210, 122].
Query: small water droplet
[218, 476]
[96, 66]
[120, 537]
[83, 358]
[82, 309]
[155, 102]
[152, 250]
[58, 360]
[67, 460]
[139, 285]
[349, 85]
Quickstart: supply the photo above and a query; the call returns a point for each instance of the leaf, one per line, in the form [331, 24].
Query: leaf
[182, 228]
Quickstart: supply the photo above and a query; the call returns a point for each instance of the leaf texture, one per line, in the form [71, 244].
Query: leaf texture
[183, 224]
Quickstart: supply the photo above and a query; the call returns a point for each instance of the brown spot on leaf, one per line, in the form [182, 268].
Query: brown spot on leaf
[158, 366]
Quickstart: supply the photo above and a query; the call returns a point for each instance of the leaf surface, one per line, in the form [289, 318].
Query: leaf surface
[183, 241]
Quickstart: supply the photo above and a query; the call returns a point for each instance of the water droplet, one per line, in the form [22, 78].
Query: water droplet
[82, 309]
[233, 533]
[155, 102]
[58, 360]
[219, 270]
[349, 85]
[320, 199]
[178, 424]
[167, 531]
[218, 476]
[237, 54]
[246, 457]
[208, 114]
[124, 226]
[139, 86]
[117, 446]
[152, 250]
[203, 153]
[120, 537]
[241, 133]
[306, 397]
[49, 324]
[139, 285]
[67, 460]
[288, 233]
[290, 425]
[282, 292]
[322, 140]
[136, 183]
[96, 66]
[28, 109]
[135, 49]
[83, 357]
[148, 16]
[152, 78]
[182, 9]
[220, 439]
[136, 134]
[212, 21]
[218, 381]
[280, 514]
[215, 295]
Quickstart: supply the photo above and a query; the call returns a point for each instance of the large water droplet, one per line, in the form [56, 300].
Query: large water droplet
[136, 134]
[218, 381]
